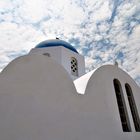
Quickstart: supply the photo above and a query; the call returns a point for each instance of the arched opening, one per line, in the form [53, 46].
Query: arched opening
[74, 66]
[122, 106]
[133, 107]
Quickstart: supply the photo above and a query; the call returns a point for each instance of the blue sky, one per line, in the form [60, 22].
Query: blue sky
[102, 30]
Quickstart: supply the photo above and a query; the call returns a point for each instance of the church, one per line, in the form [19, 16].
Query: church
[46, 95]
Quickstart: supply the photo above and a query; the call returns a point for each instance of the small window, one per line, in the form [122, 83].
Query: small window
[74, 67]
[121, 106]
[133, 107]
[47, 54]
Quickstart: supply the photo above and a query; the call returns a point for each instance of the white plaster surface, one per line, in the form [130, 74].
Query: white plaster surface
[39, 101]
[81, 83]
[63, 56]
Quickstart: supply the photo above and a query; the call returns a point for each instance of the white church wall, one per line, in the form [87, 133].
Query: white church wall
[53, 52]
[38, 101]
[81, 82]
[100, 91]
[63, 56]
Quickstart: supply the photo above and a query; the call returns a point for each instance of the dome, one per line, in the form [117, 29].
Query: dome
[54, 43]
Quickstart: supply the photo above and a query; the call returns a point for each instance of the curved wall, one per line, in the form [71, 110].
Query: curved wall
[38, 101]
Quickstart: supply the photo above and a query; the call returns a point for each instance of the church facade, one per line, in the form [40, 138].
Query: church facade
[46, 95]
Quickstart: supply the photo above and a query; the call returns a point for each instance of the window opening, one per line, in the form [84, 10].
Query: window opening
[74, 67]
[121, 106]
[47, 54]
[133, 107]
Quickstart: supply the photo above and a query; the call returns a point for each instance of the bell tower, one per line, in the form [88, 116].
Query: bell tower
[65, 54]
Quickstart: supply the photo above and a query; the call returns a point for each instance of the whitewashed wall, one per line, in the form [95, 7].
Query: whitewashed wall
[38, 101]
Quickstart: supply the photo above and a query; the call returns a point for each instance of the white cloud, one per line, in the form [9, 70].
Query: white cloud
[133, 52]
[5, 5]
[24, 23]
[15, 39]
[126, 10]
[34, 10]
[103, 12]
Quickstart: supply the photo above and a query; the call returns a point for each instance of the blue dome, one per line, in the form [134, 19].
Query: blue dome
[54, 43]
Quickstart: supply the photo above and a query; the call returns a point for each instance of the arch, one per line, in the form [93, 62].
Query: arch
[133, 107]
[74, 66]
[121, 106]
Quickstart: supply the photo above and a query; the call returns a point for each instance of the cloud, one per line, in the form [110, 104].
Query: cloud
[103, 31]
[101, 12]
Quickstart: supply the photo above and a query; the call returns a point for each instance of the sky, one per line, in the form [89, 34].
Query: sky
[104, 31]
